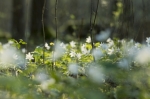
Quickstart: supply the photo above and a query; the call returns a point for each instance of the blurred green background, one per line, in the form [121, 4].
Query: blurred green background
[21, 19]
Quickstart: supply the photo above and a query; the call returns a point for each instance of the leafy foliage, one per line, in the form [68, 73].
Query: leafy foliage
[115, 69]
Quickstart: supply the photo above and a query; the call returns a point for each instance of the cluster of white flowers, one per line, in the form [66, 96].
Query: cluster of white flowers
[135, 51]
[74, 54]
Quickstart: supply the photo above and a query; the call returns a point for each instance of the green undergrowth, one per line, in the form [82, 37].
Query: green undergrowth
[112, 69]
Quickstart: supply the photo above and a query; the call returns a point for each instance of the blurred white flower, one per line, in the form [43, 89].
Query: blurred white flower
[88, 40]
[23, 50]
[104, 46]
[137, 45]
[110, 51]
[73, 44]
[47, 46]
[63, 45]
[78, 55]
[110, 44]
[6, 46]
[58, 50]
[143, 56]
[29, 56]
[10, 42]
[84, 49]
[72, 54]
[96, 74]
[118, 50]
[15, 56]
[10, 56]
[124, 63]
[44, 85]
[73, 68]
[123, 42]
[103, 35]
[97, 53]
[41, 76]
[109, 40]
[148, 40]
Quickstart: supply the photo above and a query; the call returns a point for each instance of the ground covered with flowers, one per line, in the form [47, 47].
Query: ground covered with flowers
[108, 69]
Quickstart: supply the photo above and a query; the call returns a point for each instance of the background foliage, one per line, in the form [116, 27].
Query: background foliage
[74, 65]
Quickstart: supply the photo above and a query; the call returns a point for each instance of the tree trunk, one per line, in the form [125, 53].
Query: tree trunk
[36, 27]
[18, 21]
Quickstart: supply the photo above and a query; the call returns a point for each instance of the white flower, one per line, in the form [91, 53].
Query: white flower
[78, 55]
[110, 51]
[29, 56]
[47, 46]
[63, 45]
[123, 42]
[148, 40]
[83, 47]
[88, 40]
[109, 40]
[84, 50]
[73, 44]
[72, 54]
[111, 43]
